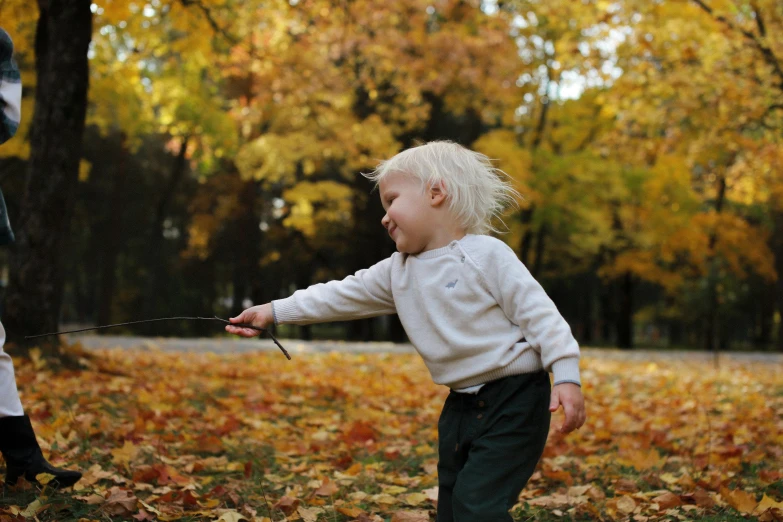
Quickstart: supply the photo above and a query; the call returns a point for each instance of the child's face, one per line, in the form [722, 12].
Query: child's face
[411, 214]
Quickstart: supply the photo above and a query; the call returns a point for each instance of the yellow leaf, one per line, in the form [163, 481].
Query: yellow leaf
[44, 478]
[123, 456]
[394, 490]
[766, 504]
[231, 516]
[384, 498]
[740, 500]
[32, 509]
[309, 514]
[414, 499]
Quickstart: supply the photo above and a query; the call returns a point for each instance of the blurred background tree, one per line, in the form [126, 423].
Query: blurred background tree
[220, 162]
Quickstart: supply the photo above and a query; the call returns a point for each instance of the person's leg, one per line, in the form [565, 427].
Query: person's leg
[509, 425]
[18, 445]
[452, 454]
[10, 405]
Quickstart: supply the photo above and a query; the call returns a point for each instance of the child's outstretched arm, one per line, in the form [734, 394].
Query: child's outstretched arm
[569, 395]
[364, 294]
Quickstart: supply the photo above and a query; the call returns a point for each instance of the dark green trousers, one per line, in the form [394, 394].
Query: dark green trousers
[488, 446]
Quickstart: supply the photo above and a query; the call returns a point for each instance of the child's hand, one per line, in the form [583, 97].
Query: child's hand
[260, 316]
[570, 396]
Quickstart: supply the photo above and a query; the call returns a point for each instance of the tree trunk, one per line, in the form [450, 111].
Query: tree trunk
[712, 279]
[36, 281]
[625, 312]
[606, 311]
[778, 250]
[586, 318]
[157, 263]
[111, 239]
[538, 264]
[246, 245]
[526, 216]
[303, 281]
[765, 317]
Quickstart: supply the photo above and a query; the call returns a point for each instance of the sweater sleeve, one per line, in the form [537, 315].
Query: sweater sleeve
[526, 304]
[10, 89]
[365, 294]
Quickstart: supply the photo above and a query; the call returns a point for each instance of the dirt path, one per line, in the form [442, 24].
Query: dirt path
[294, 346]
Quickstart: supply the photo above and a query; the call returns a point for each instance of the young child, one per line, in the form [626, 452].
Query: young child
[484, 327]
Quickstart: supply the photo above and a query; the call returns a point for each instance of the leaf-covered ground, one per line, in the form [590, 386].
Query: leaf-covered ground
[352, 437]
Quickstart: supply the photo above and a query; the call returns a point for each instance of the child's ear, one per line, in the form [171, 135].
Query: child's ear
[438, 194]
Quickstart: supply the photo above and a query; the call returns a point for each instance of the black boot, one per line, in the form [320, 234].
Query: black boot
[23, 456]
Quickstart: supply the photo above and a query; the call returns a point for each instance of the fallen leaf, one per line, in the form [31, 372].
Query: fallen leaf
[767, 504]
[414, 499]
[92, 499]
[44, 478]
[350, 511]
[699, 497]
[143, 515]
[309, 514]
[563, 476]
[121, 502]
[231, 516]
[33, 508]
[327, 489]
[122, 456]
[287, 505]
[667, 501]
[739, 499]
[626, 504]
[410, 516]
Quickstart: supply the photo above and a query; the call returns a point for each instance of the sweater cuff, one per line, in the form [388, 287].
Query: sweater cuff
[566, 370]
[286, 311]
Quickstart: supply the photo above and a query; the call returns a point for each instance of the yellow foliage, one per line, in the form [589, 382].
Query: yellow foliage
[84, 170]
[516, 161]
[313, 204]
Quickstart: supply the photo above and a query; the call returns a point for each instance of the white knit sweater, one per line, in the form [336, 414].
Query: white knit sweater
[471, 309]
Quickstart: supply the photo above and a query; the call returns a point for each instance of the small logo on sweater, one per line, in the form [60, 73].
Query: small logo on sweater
[452, 284]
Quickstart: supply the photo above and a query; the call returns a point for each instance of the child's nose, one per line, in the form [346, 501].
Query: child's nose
[385, 221]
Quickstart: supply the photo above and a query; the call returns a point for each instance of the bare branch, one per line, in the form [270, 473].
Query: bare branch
[211, 20]
[765, 51]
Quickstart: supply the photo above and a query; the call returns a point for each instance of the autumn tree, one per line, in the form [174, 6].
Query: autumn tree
[698, 104]
[63, 33]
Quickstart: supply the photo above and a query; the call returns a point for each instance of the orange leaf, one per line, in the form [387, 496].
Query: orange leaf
[327, 489]
[667, 500]
[287, 505]
[562, 476]
[740, 500]
[352, 512]
[360, 432]
[700, 498]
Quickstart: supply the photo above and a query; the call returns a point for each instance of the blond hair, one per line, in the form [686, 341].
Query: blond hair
[477, 192]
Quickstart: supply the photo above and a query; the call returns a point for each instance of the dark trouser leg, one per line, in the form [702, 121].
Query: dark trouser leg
[490, 445]
[452, 454]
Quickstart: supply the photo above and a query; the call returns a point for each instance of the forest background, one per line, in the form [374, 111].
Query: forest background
[223, 142]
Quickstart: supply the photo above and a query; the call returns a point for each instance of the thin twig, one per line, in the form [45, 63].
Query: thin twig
[263, 491]
[241, 325]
